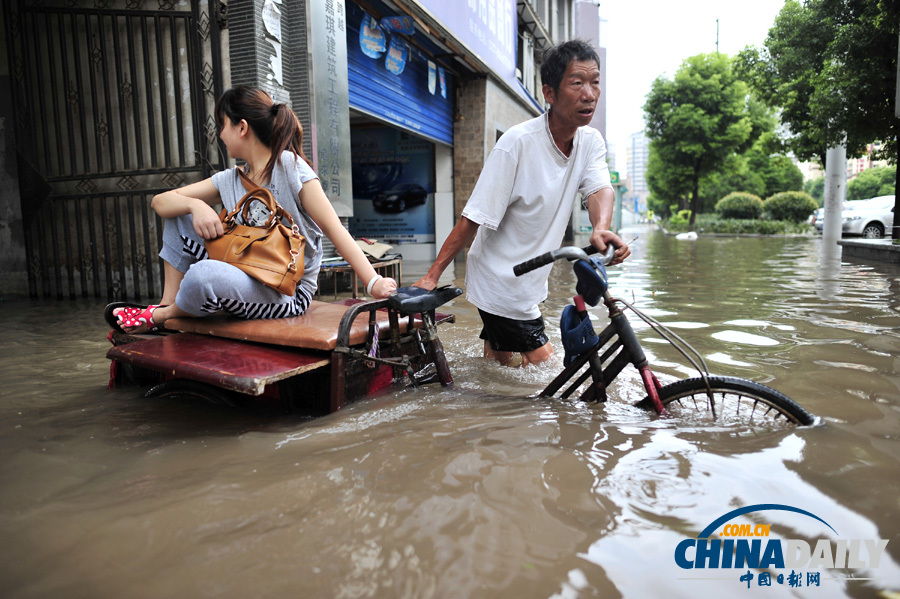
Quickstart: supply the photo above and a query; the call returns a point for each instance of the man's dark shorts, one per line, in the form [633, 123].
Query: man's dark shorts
[506, 334]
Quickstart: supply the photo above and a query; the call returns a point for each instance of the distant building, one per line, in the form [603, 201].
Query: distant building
[636, 155]
[590, 27]
[855, 164]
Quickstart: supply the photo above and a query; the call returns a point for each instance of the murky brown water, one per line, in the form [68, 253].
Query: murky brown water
[476, 491]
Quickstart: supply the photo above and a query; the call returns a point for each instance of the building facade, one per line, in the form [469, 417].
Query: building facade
[636, 155]
[401, 101]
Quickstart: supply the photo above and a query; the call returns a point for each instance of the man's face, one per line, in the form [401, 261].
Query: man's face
[576, 99]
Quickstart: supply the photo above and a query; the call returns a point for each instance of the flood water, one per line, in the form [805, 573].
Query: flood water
[480, 490]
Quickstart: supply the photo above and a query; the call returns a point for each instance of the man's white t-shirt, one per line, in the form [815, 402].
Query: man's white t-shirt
[522, 203]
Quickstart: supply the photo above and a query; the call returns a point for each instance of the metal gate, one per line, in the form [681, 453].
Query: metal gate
[113, 103]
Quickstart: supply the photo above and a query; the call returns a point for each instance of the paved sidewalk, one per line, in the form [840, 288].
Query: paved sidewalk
[876, 250]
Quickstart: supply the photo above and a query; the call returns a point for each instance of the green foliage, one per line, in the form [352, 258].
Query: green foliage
[710, 224]
[780, 174]
[735, 175]
[821, 60]
[871, 183]
[695, 121]
[792, 206]
[756, 171]
[658, 207]
[682, 218]
[669, 182]
[739, 204]
[816, 188]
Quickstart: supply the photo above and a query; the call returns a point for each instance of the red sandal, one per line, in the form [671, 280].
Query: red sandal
[122, 315]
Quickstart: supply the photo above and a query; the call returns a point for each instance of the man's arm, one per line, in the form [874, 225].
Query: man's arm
[600, 206]
[460, 237]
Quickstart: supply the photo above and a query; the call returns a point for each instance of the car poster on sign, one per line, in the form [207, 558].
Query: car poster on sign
[393, 185]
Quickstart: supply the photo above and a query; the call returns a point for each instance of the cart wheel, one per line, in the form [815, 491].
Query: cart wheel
[182, 388]
[440, 362]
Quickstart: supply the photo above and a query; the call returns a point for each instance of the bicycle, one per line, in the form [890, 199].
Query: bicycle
[721, 398]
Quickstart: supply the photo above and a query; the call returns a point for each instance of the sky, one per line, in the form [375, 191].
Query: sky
[648, 38]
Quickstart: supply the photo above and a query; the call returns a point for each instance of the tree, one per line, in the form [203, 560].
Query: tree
[669, 181]
[871, 183]
[695, 121]
[830, 66]
[779, 173]
[736, 175]
[816, 188]
[762, 169]
[783, 74]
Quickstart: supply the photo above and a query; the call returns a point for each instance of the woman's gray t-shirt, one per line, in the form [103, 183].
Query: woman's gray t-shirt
[288, 177]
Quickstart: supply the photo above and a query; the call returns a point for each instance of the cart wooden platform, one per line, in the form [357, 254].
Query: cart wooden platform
[332, 354]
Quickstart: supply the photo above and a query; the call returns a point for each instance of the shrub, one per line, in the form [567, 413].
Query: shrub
[682, 218]
[711, 224]
[793, 206]
[738, 204]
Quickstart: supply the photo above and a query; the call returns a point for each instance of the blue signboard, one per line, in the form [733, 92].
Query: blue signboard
[399, 86]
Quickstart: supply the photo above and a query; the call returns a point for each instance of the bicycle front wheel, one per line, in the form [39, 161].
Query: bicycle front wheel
[731, 400]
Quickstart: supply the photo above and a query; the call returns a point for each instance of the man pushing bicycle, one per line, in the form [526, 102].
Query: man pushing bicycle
[521, 206]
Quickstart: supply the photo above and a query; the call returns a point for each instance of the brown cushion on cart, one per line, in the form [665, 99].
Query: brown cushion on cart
[317, 328]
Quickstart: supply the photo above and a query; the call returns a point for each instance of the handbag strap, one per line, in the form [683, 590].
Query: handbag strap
[246, 181]
[261, 194]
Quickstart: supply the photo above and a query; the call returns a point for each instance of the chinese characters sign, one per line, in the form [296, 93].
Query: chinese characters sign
[329, 90]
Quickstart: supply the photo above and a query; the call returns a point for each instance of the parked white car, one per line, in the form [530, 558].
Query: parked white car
[868, 218]
[815, 219]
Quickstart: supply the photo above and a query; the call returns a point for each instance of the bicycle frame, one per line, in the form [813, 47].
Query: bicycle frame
[625, 348]
[621, 347]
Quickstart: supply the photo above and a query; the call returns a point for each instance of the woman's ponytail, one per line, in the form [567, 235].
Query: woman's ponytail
[274, 124]
[286, 134]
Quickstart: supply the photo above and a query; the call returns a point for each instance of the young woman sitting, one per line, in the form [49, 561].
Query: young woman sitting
[268, 138]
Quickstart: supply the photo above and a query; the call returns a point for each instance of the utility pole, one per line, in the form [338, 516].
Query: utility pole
[717, 36]
[895, 229]
[835, 192]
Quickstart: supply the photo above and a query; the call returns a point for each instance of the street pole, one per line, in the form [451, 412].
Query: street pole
[617, 214]
[895, 229]
[835, 192]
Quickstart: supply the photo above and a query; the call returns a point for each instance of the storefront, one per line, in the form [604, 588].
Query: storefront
[401, 101]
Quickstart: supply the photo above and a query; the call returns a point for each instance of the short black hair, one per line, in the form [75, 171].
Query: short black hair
[557, 59]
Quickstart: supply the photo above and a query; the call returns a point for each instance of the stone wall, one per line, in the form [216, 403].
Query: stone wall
[468, 140]
[484, 112]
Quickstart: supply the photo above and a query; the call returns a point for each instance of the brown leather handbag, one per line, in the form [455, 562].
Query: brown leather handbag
[272, 253]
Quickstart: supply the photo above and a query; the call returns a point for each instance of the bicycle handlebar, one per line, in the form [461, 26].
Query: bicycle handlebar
[568, 252]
